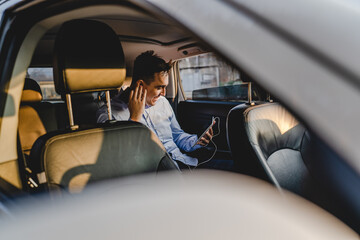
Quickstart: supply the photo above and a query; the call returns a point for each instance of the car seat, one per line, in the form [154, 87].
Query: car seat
[35, 117]
[271, 136]
[236, 136]
[88, 57]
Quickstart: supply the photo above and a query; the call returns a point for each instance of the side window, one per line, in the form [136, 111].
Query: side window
[44, 76]
[206, 77]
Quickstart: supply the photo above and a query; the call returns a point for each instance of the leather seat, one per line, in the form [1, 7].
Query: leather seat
[35, 117]
[88, 58]
[272, 137]
[245, 160]
[237, 137]
[71, 159]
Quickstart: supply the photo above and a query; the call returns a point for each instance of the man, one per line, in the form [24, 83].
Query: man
[144, 102]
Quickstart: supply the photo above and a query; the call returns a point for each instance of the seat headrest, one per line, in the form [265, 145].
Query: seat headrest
[88, 57]
[31, 92]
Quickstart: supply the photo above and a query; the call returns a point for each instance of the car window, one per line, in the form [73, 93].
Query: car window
[207, 77]
[44, 76]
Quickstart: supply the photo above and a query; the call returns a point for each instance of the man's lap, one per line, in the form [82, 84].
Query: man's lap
[205, 161]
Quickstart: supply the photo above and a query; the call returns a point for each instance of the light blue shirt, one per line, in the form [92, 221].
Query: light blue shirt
[161, 119]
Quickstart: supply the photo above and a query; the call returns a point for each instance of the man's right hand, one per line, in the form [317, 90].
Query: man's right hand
[137, 100]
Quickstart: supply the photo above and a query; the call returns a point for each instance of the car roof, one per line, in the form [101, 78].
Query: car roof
[138, 32]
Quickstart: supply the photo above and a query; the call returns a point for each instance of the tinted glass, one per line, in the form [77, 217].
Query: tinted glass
[44, 76]
[207, 77]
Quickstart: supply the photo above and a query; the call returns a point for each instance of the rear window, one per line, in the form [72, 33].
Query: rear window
[207, 77]
[44, 76]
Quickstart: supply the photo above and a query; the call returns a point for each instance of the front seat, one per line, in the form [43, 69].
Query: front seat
[236, 135]
[272, 137]
[35, 116]
[88, 57]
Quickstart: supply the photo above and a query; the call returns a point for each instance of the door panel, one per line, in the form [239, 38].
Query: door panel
[195, 116]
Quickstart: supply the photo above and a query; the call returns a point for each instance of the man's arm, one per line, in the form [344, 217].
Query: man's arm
[186, 141]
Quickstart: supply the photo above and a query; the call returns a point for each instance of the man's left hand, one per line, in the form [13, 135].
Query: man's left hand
[204, 141]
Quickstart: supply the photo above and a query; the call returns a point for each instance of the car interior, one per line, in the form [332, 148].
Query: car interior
[91, 51]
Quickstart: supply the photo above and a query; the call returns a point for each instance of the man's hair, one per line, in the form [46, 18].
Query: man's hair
[146, 65]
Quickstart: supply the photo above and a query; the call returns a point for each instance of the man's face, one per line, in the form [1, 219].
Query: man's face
[156, 88]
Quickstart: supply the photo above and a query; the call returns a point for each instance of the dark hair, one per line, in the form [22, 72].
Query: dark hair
[146, 65]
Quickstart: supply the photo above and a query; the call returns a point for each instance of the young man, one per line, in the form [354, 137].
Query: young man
[144, 102]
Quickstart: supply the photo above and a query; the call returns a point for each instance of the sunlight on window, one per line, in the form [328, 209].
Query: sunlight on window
[209, 73]
[44, 77]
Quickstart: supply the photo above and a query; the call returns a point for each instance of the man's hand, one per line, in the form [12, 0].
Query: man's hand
[137, 100]
[206, 138]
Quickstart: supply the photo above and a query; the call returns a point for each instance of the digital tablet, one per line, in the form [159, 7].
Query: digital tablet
[213, 121]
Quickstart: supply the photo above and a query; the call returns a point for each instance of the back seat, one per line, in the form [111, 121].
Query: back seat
[84, 107]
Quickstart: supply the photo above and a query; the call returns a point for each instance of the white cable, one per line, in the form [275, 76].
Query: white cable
[208, 160]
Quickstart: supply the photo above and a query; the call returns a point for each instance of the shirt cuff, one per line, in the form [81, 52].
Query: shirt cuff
[193, 141]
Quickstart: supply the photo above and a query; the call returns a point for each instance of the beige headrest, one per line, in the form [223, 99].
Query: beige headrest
[88, 57]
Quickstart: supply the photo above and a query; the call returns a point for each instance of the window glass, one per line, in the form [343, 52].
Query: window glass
[207, 77]
[44, 76]
[206, 72]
